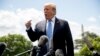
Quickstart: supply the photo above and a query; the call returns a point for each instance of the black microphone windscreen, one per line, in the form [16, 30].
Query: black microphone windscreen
[42, 40]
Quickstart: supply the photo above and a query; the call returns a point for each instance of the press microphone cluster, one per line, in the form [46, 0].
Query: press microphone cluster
[42, 41]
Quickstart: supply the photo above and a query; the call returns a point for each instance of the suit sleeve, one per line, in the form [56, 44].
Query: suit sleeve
[69, 40]
[33, 35]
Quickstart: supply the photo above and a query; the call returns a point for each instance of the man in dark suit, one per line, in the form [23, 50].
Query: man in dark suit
[57, 30]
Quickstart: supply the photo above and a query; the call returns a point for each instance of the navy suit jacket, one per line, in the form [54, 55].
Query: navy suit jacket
[61, 35]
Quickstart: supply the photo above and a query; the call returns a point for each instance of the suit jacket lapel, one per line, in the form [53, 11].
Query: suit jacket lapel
[56, 25]
[44, 27]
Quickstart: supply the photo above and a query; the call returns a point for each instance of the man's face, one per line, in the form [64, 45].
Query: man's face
[49, 12]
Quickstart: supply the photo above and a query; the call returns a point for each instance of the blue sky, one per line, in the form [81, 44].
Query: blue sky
[76, 12]
[74, 9]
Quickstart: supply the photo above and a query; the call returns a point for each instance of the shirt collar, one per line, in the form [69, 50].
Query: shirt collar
[53, 19]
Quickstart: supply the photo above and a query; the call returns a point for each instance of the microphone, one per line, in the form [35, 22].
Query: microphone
[59, 52]
[42, 42]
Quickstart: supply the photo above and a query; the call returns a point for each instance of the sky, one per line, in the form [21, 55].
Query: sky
[14, 14]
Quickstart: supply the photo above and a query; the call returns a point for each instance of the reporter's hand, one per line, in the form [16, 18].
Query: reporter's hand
[28, 24]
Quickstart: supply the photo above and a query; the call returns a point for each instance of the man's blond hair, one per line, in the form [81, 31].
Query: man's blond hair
[52, 5]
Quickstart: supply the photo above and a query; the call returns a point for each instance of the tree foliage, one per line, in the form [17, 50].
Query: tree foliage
[16, 43]
[95, 41]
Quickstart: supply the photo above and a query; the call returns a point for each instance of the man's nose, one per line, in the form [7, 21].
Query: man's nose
[45, 11]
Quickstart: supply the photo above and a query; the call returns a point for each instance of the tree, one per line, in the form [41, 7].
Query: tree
[91, 34]
[85, 51]
[95, 40]
[16, 43]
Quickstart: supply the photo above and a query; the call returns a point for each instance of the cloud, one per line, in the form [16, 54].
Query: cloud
[92, 19]
[8, 22]
[92, 28]
[29, 14]
[75, 29]
[14, 21]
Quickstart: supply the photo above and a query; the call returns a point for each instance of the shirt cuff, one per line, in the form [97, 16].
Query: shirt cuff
[28, 28]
